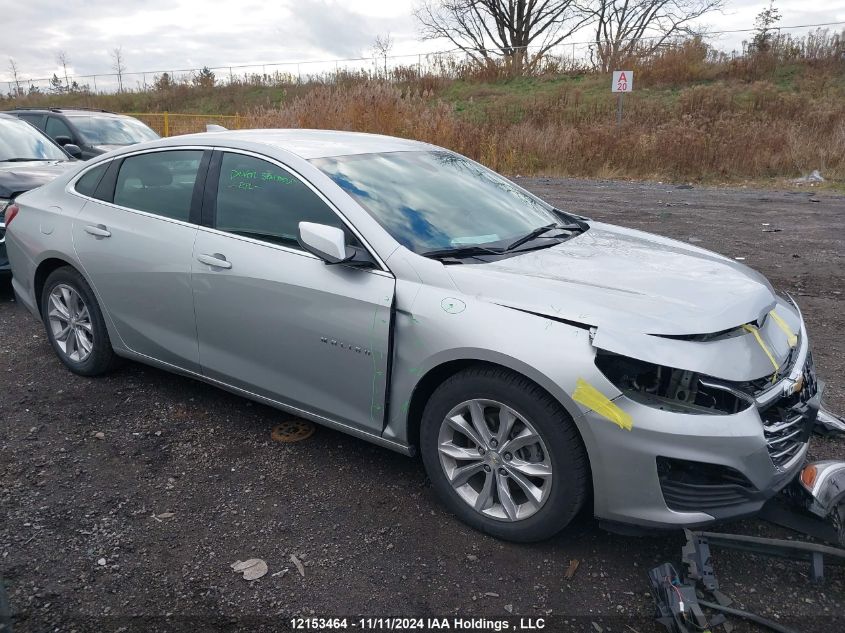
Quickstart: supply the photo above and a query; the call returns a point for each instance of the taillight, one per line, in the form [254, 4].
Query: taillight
[11, 212]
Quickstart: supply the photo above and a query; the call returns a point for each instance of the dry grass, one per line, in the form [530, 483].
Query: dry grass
[695, 115]
[717, 131]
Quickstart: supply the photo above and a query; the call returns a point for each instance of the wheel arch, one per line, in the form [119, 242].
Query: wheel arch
[438, 374]
[42, 271]
[52, 263]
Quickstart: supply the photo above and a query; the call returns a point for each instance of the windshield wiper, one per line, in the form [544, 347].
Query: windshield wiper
[461, 251]
[26, 160]
[539, 232]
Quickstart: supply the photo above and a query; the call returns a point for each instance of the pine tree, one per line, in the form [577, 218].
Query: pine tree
[765, 27]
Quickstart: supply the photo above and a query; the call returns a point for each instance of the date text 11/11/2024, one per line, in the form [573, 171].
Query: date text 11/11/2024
[418, 624]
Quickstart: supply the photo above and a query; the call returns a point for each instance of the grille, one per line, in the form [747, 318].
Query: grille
[787, 423]
[785, 436]
[689, 486]
[700, 497]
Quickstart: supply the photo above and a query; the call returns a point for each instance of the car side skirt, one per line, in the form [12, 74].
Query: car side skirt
[276, 404]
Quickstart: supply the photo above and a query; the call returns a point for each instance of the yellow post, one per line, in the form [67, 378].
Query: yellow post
[166, 125]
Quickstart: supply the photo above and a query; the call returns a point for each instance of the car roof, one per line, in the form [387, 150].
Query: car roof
[307, 144]
[65, 111]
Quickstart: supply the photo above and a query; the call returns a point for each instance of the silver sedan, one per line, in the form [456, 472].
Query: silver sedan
[409, 296]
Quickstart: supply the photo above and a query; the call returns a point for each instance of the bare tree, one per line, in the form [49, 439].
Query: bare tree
[522, 31]
[623, 26]
[13, 68]
[63, 60]
[118, 65]
[382, 47]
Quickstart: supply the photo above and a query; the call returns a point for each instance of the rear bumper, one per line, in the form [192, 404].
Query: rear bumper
[24, 298]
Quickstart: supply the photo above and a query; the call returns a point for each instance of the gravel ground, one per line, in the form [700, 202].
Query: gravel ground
[88, 466]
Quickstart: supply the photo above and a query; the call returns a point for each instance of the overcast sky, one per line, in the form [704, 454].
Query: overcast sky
[176, 34]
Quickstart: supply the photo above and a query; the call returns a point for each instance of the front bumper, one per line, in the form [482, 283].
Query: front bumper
[689, 470]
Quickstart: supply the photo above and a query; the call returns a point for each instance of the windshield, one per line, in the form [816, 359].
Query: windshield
[20, 141]
[111, 130]
[433, 200]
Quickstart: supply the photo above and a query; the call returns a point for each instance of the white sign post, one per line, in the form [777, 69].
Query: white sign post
[623, 81]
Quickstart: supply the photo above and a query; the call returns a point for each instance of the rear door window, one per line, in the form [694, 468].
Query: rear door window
[159, 182]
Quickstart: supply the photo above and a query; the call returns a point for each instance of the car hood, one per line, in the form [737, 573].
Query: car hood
[15, 178]
[628, 280]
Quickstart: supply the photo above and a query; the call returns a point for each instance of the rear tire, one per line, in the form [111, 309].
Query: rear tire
[75, 325]
[524, 474]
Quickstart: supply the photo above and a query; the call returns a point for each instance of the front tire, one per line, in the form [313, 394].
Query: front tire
[503, 455]
[75, 325]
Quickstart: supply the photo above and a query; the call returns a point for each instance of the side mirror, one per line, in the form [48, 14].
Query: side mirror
[73, 150]
[326, 242]
[63, 140]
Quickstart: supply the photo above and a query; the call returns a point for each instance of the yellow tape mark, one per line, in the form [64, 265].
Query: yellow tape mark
[594, 399]
[762, 343]
[783, 325]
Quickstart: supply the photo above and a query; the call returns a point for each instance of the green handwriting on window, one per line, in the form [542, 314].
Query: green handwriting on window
[249, 186]
[250, 176]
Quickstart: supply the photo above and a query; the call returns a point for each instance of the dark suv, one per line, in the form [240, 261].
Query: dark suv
[94, 131]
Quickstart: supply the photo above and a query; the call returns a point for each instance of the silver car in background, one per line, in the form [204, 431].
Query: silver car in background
[409, 296]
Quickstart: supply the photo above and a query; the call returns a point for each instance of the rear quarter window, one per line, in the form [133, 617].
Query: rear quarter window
[87, 184]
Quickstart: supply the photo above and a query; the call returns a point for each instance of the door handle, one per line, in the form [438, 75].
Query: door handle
[217, 260]
[99, 231]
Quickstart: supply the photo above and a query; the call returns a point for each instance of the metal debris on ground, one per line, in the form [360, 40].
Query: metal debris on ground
[252, 569]
[299, 566]
[828, 423]
[697, 558]
[293, 430]
[676, 602]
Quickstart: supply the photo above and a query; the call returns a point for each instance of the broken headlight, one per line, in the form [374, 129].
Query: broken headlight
[672, 389]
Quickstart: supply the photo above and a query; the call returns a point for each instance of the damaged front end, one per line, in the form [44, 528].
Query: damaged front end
[727, 428]
[787, 421]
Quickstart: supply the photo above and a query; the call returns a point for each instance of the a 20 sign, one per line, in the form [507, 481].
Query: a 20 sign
[623, 81]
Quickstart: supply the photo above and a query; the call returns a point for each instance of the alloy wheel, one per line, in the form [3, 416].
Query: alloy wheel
[495, 460]
[70, 323]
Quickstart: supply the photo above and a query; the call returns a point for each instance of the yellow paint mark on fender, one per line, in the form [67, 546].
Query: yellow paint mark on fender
[594, 399]
[764, 347]
[783, 325]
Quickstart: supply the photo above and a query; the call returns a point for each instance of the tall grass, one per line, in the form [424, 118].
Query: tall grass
[696, 114]
[709, 131]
